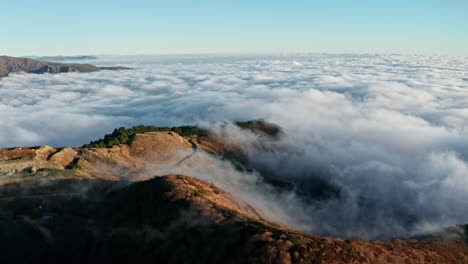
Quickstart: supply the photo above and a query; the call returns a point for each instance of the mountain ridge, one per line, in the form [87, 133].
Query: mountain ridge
[104, 205]
[63, 58]
[10, 65]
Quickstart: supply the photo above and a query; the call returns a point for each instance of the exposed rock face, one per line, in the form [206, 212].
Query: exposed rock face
[30, 159]
[11, 65]
[154, 149]
[62, 157]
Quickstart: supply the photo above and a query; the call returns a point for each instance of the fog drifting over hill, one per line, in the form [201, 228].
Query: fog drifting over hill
[390, 132]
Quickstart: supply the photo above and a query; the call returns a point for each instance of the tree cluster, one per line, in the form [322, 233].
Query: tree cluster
[124, 135]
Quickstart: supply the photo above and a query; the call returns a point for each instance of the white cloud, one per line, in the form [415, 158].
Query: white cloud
[389, 132]
[114, 90]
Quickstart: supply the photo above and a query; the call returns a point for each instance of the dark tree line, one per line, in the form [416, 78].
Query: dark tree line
[124, 135]
[261, 126]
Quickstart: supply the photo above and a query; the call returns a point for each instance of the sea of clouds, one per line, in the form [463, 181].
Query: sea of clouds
[388, 132]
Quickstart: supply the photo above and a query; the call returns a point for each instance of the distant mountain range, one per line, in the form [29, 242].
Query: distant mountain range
[62, 58]
[13, 64]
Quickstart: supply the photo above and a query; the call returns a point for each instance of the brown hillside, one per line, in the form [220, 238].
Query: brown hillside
[155, 149]
[173, 219]
[12, 64]
[98, 205]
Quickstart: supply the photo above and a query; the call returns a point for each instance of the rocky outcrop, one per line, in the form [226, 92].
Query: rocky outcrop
[153, 149]
[12, 65]
[31, 159]
[63, 157]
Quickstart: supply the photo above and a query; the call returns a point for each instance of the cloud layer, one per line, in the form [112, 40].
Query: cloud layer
[389, 132]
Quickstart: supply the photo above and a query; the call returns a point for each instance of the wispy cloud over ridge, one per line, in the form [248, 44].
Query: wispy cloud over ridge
[389, 131]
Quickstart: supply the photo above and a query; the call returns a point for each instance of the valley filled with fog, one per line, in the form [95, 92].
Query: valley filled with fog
[387, 135]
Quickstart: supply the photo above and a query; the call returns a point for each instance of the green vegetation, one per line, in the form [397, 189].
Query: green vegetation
[126, 135]
[260, 126]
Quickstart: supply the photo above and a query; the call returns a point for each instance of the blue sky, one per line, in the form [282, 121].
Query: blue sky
[50, 27]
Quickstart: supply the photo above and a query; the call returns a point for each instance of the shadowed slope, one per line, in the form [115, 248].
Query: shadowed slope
[173, 219]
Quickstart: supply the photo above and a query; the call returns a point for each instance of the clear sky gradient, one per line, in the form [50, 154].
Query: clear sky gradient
[50, 27]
